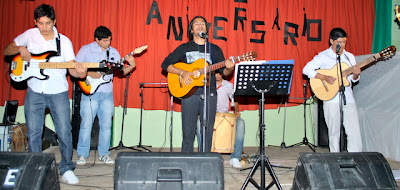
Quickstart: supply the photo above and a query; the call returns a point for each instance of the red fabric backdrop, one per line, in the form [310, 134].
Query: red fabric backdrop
[127, 19]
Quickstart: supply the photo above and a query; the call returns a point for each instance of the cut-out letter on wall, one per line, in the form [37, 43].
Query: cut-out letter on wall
[253, 30]
[171, 24]
[217, 28]
[154, 9]
[292, 36]
[239, 18]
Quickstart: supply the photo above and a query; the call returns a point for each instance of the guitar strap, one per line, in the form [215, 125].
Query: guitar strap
[58, 45]
[108, 70]
[348, 60]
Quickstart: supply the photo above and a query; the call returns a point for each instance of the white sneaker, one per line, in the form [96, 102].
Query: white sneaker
[235, 163]
[70, 178]
[81, 161]
[107, 159]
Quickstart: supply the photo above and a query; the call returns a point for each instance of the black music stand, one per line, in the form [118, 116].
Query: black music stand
[253, 78]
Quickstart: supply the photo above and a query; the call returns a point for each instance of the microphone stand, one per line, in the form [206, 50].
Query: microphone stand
[342, 99]
[205, 95]
[121, 144]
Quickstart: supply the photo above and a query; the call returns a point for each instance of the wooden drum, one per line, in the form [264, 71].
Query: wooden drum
[19, 141]
[223, 140]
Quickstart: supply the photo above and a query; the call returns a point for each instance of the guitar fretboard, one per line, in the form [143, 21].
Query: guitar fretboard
[362, 64]
[219, 65]
[66, 65]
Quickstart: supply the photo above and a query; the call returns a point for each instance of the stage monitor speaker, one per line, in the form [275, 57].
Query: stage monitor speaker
[34, 171]
[168, 170]
[364, 170]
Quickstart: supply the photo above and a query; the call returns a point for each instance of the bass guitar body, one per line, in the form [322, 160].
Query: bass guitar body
[21, 70]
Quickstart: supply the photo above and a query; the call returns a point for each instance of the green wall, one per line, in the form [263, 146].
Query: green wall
[156, 126]
[395, 27]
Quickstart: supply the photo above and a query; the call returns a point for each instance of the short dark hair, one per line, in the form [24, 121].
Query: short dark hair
[44, 10]
[337, 33]
[102, 32]
[190, 34]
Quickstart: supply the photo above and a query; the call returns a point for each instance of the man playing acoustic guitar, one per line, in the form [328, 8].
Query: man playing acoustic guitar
[327, 59]
[192, 105]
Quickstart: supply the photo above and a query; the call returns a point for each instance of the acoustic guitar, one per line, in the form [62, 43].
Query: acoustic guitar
[178, 88]
[325, 91]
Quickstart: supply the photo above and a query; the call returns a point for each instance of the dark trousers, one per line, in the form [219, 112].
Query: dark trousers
[192, 108]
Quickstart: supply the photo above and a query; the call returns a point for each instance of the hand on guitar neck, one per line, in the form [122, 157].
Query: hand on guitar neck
[356, 72]
[94, 74]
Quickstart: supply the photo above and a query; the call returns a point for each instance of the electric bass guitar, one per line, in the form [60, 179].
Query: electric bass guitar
[325, 91]
[90, 85]
[21, 70]
[175, 82]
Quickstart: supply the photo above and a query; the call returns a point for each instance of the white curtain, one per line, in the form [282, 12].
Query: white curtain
[378, 100]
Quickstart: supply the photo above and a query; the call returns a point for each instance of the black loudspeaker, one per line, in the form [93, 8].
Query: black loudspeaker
[168, 170]
[36, 171]
[365, 170]
[10, 112]
[323, 138]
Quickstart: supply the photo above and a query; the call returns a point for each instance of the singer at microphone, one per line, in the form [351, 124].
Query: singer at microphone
[193, 52]
[316, 69]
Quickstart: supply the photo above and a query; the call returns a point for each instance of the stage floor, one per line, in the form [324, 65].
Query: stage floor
[97, 175]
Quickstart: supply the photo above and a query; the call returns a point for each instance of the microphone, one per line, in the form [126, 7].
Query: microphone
[338, 47]
[203, 34]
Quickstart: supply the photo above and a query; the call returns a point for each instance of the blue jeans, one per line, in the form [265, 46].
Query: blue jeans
[192, 108]
[239, 138]
[35, 105]
[102, 105]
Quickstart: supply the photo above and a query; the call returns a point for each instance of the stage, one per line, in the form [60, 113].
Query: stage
[97, 175]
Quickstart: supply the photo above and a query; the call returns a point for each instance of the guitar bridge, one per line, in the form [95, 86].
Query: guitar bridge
[87, 82]
[13, 65]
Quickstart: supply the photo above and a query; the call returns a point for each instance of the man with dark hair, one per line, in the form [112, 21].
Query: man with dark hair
[326, 60]
[52, 92]
[101, 103]
[192, 106]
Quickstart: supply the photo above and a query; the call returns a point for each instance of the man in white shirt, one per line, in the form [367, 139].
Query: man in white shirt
[52, 92]
[327, 59]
